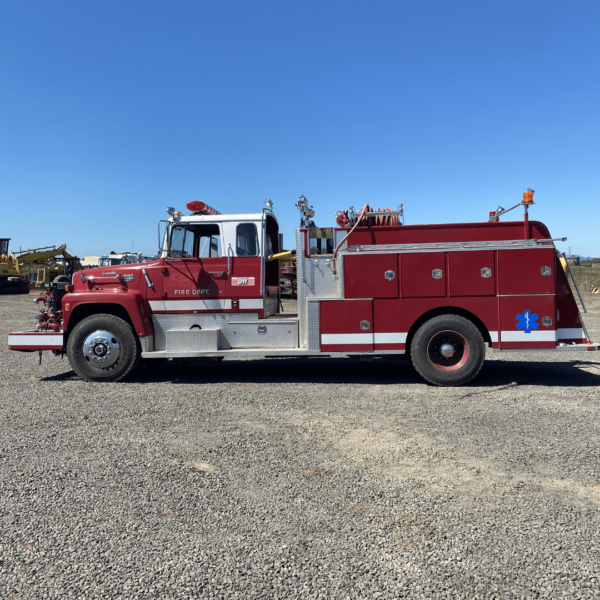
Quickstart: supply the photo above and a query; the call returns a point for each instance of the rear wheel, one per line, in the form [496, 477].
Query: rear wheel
[103, 348]
[448, 350]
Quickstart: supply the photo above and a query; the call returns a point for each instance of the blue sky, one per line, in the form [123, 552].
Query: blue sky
[110, 111]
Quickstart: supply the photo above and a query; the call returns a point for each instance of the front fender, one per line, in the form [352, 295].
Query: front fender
[132, 302]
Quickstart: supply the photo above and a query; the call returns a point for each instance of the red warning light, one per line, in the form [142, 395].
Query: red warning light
[197, 207]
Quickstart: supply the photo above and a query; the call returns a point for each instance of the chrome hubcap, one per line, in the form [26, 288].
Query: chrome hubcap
[447, 350]
[101, 349]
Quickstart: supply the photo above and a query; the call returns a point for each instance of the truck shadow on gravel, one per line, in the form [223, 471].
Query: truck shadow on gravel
[578, 373]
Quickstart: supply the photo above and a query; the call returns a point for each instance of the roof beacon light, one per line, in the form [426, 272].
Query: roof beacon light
[200, 208]
[525, 203]
[528, 196]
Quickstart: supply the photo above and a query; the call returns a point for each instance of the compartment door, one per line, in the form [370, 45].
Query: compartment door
[391, 324]
[371, 276]
[346, 325]
[528, 321]
[472, 273]
[423, 275]
[526, 271]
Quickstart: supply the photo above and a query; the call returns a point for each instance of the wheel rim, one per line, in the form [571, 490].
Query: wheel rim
[448, 350]
[101, 349]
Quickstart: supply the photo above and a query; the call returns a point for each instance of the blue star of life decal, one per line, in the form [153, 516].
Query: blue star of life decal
[527, 321]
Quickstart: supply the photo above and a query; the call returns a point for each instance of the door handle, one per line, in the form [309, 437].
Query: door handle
[219, 273]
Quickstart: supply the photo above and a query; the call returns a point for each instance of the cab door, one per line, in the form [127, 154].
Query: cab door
[195, 271]
[245, 258]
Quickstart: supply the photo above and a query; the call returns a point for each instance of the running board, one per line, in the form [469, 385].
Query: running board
[263, 352]
[563, 348]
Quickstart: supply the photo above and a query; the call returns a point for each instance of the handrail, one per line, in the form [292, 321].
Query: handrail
[532, 243]
[576, 286]
[263, 243]
[150, 284]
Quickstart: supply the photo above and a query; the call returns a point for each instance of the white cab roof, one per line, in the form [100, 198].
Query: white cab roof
[239, 218]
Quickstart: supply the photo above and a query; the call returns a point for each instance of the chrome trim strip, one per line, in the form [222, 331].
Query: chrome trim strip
[534, 336]
[169, 305]
[251, 303]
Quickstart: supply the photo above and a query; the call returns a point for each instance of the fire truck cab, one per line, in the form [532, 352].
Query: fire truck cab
[371, 286]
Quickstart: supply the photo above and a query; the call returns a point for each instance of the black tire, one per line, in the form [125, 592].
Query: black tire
[103, 348]
[456, 336]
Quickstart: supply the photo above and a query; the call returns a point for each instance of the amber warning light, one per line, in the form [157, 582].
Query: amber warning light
[197, 207]
[528, 196]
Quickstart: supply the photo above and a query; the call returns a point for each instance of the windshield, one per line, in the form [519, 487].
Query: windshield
[109, 262]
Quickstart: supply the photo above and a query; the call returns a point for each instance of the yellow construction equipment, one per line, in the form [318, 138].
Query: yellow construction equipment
[42, 265]
[10, 283]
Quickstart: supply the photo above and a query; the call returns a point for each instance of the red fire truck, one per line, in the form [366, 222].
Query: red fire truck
[371, 286]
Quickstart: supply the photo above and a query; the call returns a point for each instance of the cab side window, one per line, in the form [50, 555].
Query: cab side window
[209, 241]
[246, 240]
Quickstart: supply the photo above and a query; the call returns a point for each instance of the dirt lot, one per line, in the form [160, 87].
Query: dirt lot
[296, 478]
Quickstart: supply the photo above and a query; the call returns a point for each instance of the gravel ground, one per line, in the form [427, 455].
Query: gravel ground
[299, 478]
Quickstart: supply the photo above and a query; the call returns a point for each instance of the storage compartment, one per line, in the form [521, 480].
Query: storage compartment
[423, 275]
[195, 340]
[528, 321]
[527, 271]
[346, 325]
[472, 273]
[264, 334]
[371, 276]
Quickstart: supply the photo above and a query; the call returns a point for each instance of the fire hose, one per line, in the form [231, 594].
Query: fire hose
[383, 219]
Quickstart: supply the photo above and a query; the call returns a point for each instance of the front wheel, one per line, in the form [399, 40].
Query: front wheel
[448, 350]
[103, 348]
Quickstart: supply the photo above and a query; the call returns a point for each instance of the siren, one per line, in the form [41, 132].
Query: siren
[196, 207]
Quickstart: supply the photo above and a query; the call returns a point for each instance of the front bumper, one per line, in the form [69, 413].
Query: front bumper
[35, 340]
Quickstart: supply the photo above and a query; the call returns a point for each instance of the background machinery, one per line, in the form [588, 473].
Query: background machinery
[123, 258]
[43, 265]
[10, 282]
